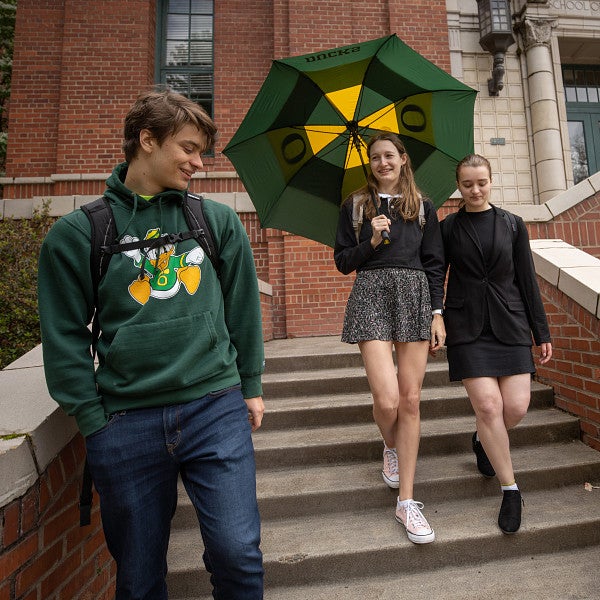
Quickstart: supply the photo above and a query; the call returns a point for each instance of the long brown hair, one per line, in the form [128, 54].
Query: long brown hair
[408, 204]
[472, 160]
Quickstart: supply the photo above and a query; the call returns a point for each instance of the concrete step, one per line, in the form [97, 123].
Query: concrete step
[335, 548]
[531, 577]
[357, 407]
[339, 380]
[328, 518]
[319, 489]
[337, 443]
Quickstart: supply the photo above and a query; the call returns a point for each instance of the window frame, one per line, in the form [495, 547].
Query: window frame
[163, 70]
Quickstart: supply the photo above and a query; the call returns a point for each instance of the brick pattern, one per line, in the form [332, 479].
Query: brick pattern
[574, 370]
[579, 226]
[43, 551]
[69, 121]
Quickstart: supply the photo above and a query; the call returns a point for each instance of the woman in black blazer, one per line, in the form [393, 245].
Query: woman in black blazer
[493, 310]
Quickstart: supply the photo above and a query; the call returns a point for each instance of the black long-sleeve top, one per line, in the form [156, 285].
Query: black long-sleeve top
[410, 248]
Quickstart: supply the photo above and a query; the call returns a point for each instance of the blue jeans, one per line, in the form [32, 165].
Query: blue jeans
[135, 462]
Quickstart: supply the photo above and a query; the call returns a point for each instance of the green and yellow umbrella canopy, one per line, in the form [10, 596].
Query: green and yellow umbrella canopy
[297, 149]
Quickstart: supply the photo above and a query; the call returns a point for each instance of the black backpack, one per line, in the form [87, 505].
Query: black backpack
[104, 244]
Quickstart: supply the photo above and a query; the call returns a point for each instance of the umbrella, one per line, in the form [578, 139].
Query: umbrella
[298, 149]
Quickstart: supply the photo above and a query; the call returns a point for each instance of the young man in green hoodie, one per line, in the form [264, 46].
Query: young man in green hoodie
[177, 390]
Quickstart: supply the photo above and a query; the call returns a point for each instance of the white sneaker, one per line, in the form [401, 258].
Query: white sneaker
[417, 528]
[390, 467]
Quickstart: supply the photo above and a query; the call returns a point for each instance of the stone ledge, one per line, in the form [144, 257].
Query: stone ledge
[63, 205]
[572, 271]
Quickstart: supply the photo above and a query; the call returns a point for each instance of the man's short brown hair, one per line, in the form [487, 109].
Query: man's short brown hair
[164, 113]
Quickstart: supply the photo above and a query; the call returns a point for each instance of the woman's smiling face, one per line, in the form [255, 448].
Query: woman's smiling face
[386, 163]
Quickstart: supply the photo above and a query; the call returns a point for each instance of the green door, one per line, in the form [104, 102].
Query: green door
[582, 93]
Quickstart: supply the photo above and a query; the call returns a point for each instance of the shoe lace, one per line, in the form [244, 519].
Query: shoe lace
[391, 460]
[414, 516]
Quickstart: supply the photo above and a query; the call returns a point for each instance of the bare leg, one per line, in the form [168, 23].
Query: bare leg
[494, 416]
[381, 373]
[412, 362]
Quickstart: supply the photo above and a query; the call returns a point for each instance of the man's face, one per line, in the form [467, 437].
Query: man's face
[172, 165]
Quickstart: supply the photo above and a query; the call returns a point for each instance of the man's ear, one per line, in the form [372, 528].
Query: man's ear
[147, 140]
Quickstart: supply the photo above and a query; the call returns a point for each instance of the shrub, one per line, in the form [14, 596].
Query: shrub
[20, 242]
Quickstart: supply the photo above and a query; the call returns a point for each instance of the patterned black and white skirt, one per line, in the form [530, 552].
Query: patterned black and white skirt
[391, 304]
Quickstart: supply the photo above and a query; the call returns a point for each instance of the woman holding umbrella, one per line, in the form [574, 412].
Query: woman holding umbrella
[493, 308]
[395, 306]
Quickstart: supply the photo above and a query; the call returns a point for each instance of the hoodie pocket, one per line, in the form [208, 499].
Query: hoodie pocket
[149, 358]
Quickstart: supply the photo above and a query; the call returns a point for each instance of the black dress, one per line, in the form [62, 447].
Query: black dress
[487, 356]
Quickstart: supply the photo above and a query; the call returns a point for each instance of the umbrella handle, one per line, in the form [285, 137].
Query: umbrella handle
[353, 129]
[385, 236]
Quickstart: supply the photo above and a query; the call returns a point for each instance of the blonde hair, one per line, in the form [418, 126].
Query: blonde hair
[408, 204]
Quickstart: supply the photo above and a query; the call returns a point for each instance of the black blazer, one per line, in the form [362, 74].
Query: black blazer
[507, 287]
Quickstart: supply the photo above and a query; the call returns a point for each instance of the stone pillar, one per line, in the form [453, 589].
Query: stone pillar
[548, 157]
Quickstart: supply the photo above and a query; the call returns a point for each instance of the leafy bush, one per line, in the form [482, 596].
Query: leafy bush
[20, 242]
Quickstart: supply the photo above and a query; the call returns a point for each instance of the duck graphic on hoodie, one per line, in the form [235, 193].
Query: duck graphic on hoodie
[163, 272]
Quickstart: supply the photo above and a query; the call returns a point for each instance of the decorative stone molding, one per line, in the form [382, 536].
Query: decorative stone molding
[536, 32]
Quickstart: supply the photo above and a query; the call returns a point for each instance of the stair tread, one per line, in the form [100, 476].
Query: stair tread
[351, 532]
[337, 372]
[364, 432]
[308, 346]
[340, 399]
[323, 478]
[517, 578]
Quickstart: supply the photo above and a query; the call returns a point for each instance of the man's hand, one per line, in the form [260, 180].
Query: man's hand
[256, 410]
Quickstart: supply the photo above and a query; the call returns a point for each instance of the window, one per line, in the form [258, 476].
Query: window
[185, 48]
[582, 94]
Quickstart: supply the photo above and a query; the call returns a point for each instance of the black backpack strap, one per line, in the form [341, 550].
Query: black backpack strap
[511, 223]
[103, 230]
[447, 225]
[193, 211]
[85, 497]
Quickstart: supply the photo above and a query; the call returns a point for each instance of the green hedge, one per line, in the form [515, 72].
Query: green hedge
[20, 242]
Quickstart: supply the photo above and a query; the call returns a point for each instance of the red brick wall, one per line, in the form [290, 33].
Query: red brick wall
[44, 554]
[579, 226]
[75, 73]
[574, 370]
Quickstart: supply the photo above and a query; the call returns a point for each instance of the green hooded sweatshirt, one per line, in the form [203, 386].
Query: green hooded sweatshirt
[173, 336]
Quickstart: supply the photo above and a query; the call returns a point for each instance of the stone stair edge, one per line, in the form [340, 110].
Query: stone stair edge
[375, 531]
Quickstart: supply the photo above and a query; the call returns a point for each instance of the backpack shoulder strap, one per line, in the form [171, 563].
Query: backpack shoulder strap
[357, 216]
[104, 231]
[193, 210]
[422, 219]
[511, 223]
[448, 224]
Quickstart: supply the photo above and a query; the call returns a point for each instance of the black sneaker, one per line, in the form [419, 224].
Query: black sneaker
[483, 462]
[509, 519]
